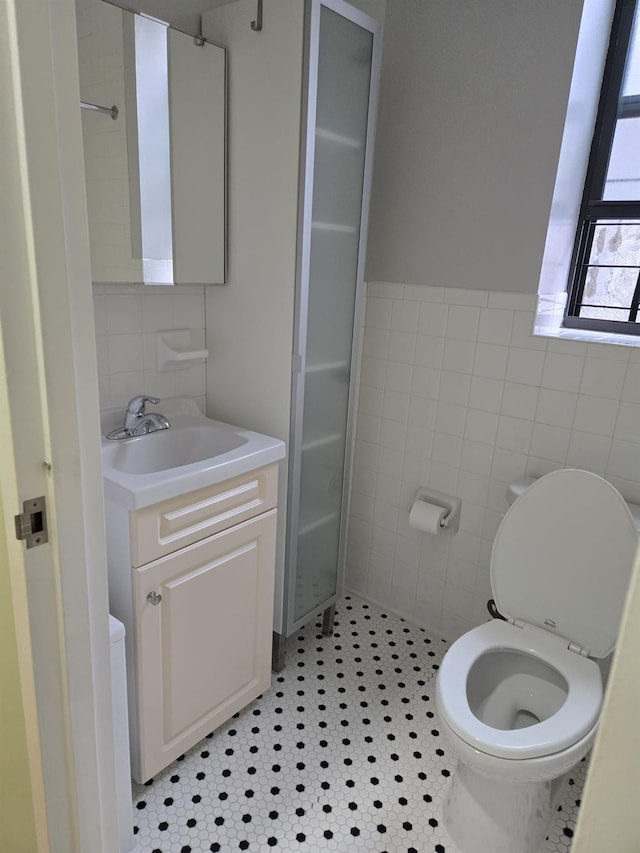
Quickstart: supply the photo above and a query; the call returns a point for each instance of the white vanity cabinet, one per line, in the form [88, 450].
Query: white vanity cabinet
[192, 579]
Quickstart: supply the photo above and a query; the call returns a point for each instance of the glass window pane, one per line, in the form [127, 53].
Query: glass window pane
[609, 287]
[631, 85]
[623, 172]
[612, 272]
[604, 314]
[615, 244]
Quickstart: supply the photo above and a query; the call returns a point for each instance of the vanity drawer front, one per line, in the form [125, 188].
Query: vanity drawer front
[166, 527]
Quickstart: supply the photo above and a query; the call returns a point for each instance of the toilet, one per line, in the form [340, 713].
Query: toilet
[519, 700]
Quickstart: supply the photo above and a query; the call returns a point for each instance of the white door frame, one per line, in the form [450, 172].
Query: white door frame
[47, 335]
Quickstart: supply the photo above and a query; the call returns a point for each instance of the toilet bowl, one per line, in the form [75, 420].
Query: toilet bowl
[519, 700]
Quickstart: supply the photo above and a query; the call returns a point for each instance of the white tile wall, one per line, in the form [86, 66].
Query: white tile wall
[127, 318]
[456, 394]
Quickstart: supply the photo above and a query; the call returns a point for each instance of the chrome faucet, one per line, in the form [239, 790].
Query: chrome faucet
[137, 421]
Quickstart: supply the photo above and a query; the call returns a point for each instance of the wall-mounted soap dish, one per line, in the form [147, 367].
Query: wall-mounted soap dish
[175, 350]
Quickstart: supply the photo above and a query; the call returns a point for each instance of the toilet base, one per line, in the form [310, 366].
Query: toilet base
[489, 816]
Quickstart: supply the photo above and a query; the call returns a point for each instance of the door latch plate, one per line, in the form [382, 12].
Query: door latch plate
[31, 524]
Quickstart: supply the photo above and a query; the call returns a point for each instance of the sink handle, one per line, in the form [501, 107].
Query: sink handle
[136, 410]
[136, 405]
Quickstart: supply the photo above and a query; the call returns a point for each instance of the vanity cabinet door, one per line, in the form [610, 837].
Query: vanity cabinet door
[203, 649]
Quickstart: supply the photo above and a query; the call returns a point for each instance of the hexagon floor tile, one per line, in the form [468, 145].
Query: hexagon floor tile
[343, 753]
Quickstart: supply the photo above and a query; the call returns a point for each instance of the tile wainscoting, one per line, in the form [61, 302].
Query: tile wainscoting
[456, 394]
[127, 318]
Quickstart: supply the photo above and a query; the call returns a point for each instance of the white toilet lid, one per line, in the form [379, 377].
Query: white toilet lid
[562, 559]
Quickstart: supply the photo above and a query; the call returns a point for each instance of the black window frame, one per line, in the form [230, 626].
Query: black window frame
[593, 208]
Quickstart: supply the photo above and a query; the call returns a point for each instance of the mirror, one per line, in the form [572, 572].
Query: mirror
[155, 175]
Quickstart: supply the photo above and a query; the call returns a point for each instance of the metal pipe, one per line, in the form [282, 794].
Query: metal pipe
[112, 111]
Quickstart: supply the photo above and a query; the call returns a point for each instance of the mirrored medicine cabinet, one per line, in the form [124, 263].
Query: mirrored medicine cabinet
[156, 170]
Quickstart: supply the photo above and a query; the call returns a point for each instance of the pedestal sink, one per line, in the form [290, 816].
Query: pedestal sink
[194, 452]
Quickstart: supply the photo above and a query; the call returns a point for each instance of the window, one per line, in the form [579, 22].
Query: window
[604, 288]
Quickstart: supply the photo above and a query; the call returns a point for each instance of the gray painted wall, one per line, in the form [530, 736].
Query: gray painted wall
[472, 110]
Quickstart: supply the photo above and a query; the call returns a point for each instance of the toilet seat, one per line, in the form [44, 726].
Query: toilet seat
[577, 716]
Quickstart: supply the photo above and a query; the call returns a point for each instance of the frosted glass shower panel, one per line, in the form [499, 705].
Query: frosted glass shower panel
[344, 76]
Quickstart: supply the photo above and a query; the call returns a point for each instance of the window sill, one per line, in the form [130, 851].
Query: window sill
[587, 336]
[548, 324]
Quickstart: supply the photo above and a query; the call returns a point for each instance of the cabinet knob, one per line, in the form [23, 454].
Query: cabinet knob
[154, 598]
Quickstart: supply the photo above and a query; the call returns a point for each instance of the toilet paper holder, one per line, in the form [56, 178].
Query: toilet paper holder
[451, 521]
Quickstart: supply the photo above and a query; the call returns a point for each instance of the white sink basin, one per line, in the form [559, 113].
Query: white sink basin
[173, 448]
[193, 453]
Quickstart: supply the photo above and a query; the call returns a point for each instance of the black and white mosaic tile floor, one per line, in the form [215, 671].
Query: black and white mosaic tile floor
[342, 754]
